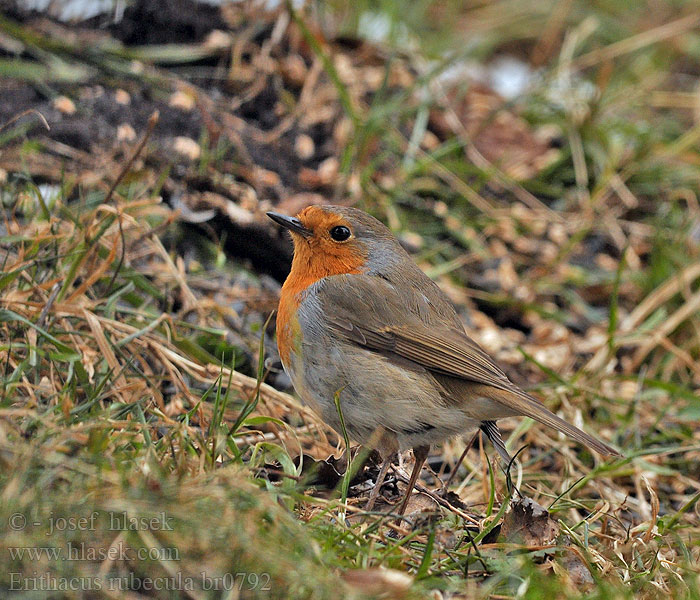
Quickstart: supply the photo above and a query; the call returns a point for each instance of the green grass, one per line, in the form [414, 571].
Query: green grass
[117, 395]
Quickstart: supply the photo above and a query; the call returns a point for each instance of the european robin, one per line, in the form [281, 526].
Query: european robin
[357, 318]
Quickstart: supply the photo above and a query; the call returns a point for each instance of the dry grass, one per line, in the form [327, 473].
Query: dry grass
[576, 264]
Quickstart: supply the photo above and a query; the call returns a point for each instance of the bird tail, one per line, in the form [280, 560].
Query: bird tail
[526, 405]
[491, 430]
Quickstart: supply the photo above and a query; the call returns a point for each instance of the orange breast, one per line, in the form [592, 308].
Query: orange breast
[288, 333]
[309, 266]
[315, 256]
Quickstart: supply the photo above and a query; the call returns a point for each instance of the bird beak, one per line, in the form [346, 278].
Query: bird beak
[292, 223]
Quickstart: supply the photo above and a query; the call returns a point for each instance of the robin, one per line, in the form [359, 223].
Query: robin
[359, 320]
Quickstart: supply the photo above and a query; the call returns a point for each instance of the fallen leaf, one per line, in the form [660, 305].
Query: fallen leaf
[529, 523]
[64, 105]
[571, 566]
[389, 583]
[187, 147]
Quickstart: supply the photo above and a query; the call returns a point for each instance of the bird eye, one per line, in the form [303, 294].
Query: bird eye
[340, 233]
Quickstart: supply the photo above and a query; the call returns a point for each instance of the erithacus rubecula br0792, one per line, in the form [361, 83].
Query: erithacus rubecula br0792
[359, 320]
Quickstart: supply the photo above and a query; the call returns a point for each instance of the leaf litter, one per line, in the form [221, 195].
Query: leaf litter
[267, 109]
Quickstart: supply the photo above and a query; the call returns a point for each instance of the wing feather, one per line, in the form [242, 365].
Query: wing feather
[370, 312]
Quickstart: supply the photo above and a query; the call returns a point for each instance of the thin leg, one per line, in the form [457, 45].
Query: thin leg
[420, 453]
[450, 479]
[380, 481]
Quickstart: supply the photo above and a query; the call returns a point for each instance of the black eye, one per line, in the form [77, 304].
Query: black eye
[340, 233]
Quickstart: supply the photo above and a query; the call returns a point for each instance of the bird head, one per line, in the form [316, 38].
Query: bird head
[334, 240]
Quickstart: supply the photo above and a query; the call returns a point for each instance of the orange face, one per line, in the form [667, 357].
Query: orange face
[331, 247]
[324, 245]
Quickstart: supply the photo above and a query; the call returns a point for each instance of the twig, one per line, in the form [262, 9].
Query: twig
[29, 111]
[636, 42]
[49, 303]
[467, 448]
[152, 121]
[439, 499]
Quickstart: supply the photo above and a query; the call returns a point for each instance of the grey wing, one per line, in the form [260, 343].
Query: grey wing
[374, 314]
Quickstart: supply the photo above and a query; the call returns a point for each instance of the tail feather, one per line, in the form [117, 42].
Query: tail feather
[526, 405]
[491, 430]
[549, 418]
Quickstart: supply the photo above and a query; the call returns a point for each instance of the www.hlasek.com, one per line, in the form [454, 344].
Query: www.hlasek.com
[80, 551]
[46, 582]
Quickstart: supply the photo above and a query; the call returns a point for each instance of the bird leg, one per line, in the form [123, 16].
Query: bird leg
[387, 445]
[420, 453]
[450, 479]
[386, 463]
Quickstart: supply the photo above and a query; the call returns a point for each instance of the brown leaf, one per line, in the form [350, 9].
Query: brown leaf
[388, 583]
[421, 503]
[293, 204]
[529, 523]
[575, 570]
[500, 136]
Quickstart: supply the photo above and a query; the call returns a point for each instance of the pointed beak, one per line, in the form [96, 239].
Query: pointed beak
[292, 223]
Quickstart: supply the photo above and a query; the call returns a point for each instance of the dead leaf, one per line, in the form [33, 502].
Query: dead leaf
[572, 567]
[64, 105]
[529, 523]
[387, 583]
[122, 97]
[420, 503]
[187, 147]
[498, 135]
